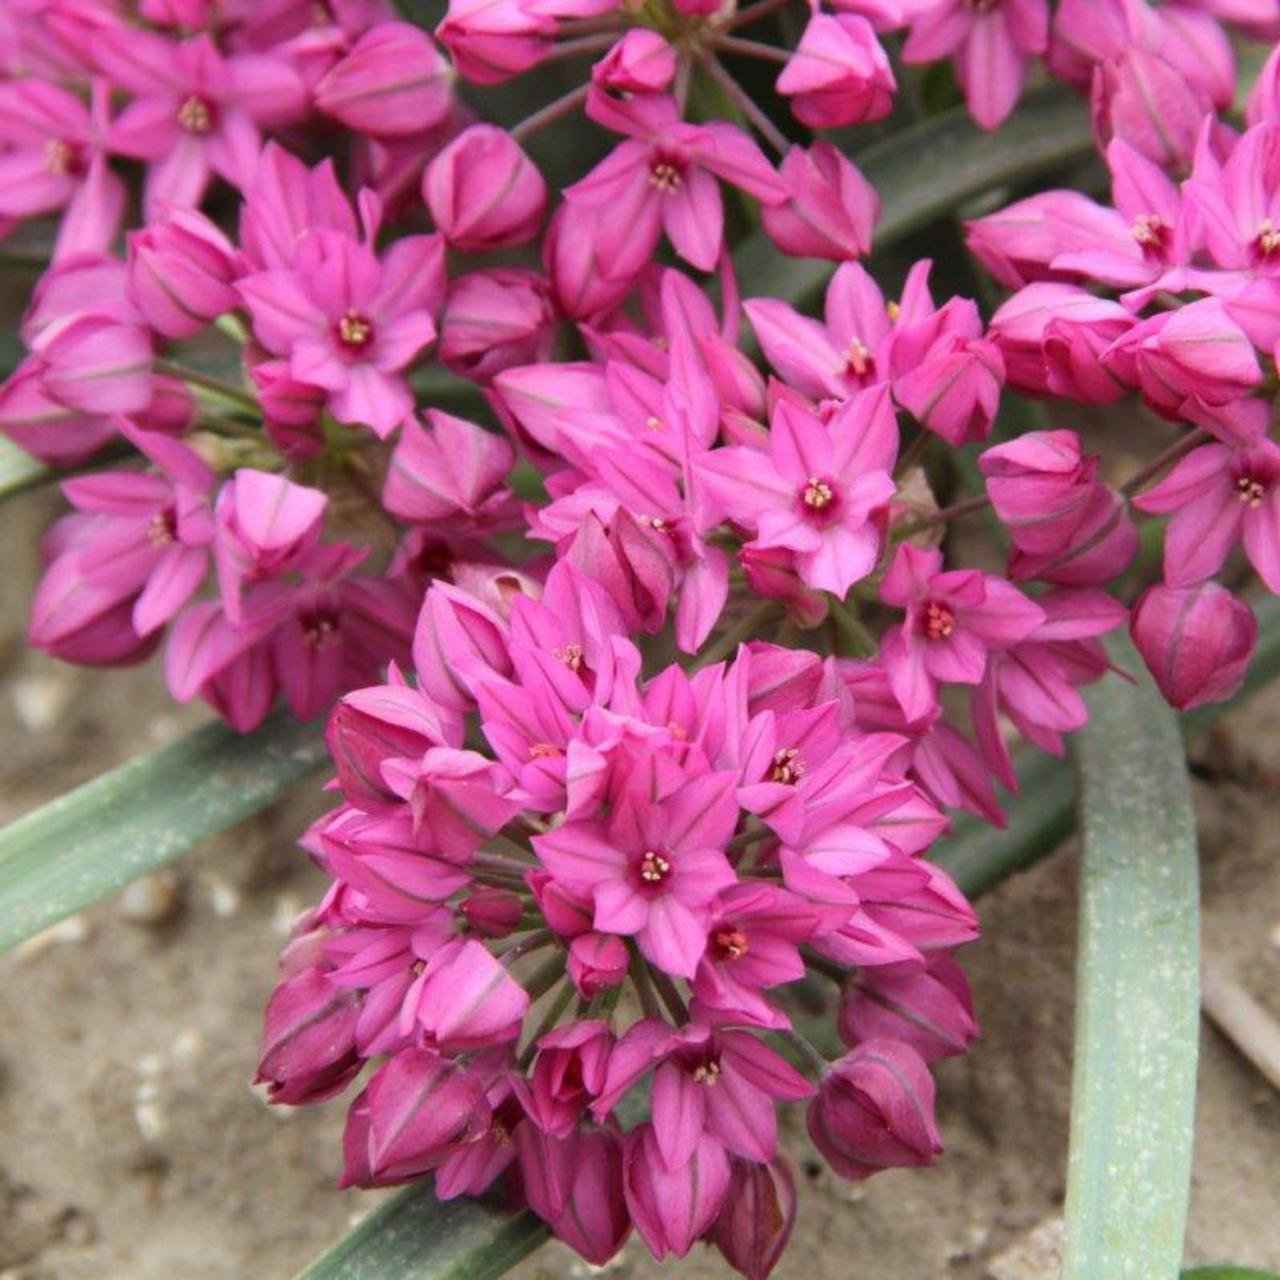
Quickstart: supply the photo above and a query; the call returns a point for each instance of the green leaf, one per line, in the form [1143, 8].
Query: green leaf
[1137, 990]
[1228, 1273]
[923, 173]
[414, 1236]
[96, 839]
[19, 470]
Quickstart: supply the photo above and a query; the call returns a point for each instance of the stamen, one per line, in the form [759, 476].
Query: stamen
[731, 943]
[817, 494]
[654, 868]
[570, 655]
[355, 331]
[1250, 491]
[196, 114]
[665, 177]
[787, 766]
[939, 621]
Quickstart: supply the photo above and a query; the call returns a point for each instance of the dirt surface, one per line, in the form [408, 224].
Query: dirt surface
[132, 1146]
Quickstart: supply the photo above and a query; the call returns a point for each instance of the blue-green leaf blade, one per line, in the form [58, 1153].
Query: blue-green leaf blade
[19, 470]
[96, 839]
[414, 1236]
[1137, 990]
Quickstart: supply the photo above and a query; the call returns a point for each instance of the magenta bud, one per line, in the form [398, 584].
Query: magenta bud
[929, 1009]
[671, 1208]
[181, 273]
[566, 914]
[492, 913]
[594, 1221]
[420, 1105]
[1196, 641]
[393, 83]
[567, 1075]
[597, 962]
[484, 192]
[1151, 104]
[634, 563]
[874, 1110]
[308, 1049]
[839, 73]
[96, 364]
[759, 1211]
[458, 639]
[641, 62]
[831, 208]
[496, 320]
[369, 727]
[572, 257]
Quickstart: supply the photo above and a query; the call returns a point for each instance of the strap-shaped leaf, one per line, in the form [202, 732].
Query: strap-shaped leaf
[414, 1236]
[925, 172]
[1228, 1273]
[95, 839]
[1137, 991]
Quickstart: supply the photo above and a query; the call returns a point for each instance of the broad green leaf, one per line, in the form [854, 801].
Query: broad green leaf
[96, 839]
[19, 470]
[414, 1236]
[1228, 1273]
[1137, 990]
[925, 172]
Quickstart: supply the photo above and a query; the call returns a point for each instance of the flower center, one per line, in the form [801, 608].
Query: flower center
[1250, 491]
[654, 868]
[857, 357]
[939, 621]
[570, 655]
[981, 6]
[63, 158]
[355, 331]
[654, 423]
[163, 529]
[730, 943]
[1149, 230]
[1268, 238]
[543, 751]
[707, 1073]
[665, 177]
[817, 494]
[319, 627]
[196, 114]
[787, 766]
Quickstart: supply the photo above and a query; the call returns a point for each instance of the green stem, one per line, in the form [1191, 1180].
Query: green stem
[744, 629]
[215, 387]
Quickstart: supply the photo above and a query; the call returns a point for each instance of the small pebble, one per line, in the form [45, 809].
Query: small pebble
[1037, 1255]
[152, 899]
[224, 897]
[187, 1046]
[40, 700]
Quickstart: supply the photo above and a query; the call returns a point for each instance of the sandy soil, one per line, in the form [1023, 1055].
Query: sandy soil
[134, 1148]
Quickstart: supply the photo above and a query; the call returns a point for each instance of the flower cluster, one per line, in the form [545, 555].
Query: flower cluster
[653, 671]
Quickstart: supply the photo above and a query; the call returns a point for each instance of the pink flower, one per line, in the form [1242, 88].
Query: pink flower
[930, 1009]
[496, 320]
[266, 524]
[351, 322]
[874, 1110]
[640, 62]
[54, 159]
[1218, 496]
[759, 1211]
[568, 1074]
[1196, 641]
[816, 491]
[195, 112]
[654, 870]
[309, 1039]
[1196, 353]
[392, 82]
[484, 192]
[465, 999]
[1239, 204]
[452, 476]
[671, 1208]
[838, 74]
[665, 178]
[492, 40]
[991, 46]
[953, 618]
[182, 272]
[831, 209]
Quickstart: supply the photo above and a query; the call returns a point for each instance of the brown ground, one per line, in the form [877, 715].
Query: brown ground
[133, 1147]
